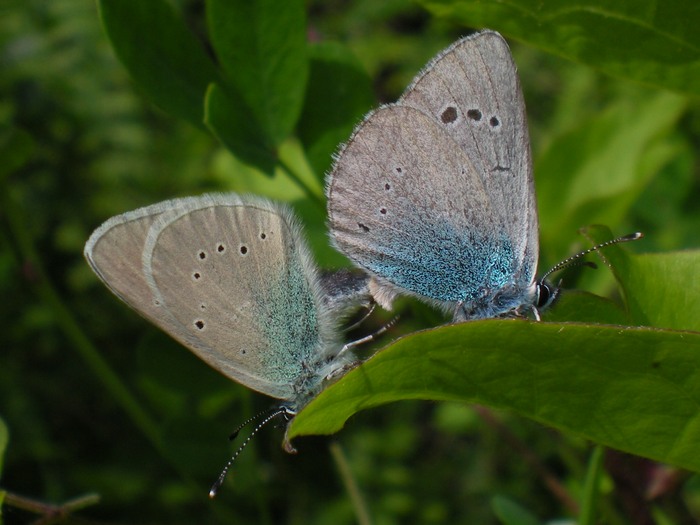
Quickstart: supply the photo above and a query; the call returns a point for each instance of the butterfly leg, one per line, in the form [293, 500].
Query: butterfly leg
[370, 309]
[370, 337]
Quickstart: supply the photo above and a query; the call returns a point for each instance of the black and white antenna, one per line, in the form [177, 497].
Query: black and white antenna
[267, 416]
[547, 293]
[573, 260]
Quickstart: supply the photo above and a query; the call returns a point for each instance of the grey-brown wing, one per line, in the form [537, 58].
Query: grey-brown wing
[472, 91]
[408, 205]
[114, 252]
[238, 281]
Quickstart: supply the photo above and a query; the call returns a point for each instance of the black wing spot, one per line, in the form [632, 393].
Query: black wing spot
[399, 171]
[263, 237]
[494, 122]
[449, 115]
[363, 227]
[244, 249]
[221, 248]
[199, 324]
[387, 186]
[202, 255]
[474, 114]
[196, 276]
[382, 211]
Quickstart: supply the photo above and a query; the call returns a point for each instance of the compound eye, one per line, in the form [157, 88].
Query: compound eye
[545, 294]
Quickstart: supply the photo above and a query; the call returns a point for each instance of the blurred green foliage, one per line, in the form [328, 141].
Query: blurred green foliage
[108, 107]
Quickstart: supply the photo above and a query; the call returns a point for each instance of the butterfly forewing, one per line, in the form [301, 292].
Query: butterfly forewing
[114, 251]
[405, 221]
[472, 90]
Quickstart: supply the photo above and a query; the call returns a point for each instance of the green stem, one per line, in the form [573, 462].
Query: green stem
[589, 501]
[50, 513]
[358, 502]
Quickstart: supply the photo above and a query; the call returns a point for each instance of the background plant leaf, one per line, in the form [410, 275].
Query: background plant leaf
[162, 55]
[585, 307]
[261, 46]
[646, 41]
[607, 160]
[338, 96]
[230, 120]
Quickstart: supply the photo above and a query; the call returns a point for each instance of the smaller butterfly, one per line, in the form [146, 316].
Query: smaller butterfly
[232, 279]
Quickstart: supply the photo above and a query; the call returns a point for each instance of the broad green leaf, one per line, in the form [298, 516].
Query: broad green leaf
[511, 513]
[643, 40]
[633, 389]
[261, 47]
[338, 95]
[162, 55]
[232, 122]
[661, 289]
[596, 172]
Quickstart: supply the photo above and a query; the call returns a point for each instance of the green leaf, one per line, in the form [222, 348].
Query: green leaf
[584, 307]
[511, 513]
[231, 121]
[261, 46]
[633, 389]
[247, 178]
[643, 40]
[661, 289]
[596, 172]
[164, 58]
[339, 94]
[674, 304]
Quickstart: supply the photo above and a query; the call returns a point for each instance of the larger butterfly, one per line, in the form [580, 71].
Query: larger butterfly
[434, 195]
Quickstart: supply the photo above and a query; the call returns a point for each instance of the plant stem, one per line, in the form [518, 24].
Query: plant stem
[358, 502]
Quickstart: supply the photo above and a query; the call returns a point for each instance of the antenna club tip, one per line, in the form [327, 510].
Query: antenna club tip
[636, 235]
[212, 494]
